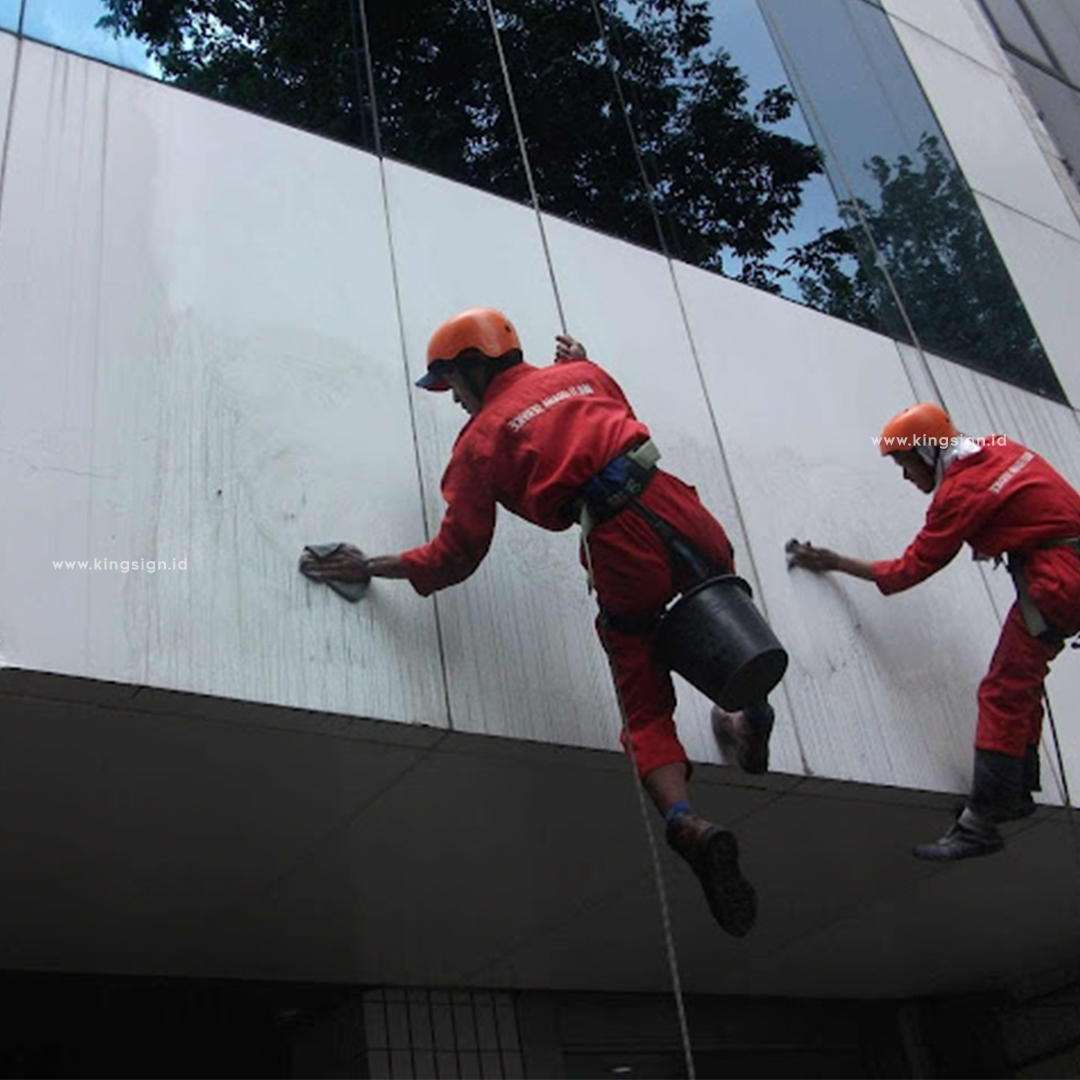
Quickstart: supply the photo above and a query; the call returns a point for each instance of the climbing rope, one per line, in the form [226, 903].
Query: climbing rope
[519, 131]
[665, 912]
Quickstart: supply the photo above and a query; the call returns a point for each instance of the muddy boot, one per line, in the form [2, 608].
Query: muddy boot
[968, 837]
[744, 736]
[713, 855]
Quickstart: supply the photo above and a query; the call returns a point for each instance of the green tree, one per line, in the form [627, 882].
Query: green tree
[928, 231]
[724, 180]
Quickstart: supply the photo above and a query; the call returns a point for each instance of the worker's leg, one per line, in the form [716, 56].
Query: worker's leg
[648, 703]
[1010, 696]
[647, 698]
[1010, 713]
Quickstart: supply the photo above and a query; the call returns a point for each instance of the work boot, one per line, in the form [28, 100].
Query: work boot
[998, 788]
[744, 735]
[713, 855]
[968, 836]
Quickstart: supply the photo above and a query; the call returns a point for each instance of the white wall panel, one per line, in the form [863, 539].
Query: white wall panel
[881, 688]
[1045, 267]
[992, 141]
[521, 654]
[953, 23]
[199, 307]
[620, 300]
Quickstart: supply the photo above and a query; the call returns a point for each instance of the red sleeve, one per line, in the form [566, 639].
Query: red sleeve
[466, 530]
[952, 517]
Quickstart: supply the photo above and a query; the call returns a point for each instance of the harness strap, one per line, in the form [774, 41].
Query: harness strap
[611, 490]
[616, 488]
[1036, 623]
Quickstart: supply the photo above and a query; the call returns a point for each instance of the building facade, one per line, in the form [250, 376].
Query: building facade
[777, 224]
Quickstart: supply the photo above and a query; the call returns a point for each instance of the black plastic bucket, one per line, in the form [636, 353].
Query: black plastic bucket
[717, 640]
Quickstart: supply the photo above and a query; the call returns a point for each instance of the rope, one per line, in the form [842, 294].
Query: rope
[519, 131]
[665, 913]
[361, 10]
[691, 339]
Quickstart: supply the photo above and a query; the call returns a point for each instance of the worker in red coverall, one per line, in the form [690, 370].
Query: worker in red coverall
[1003, 500]
[535, 439]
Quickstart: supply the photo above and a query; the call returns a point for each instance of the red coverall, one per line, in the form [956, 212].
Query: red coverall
[1004, 499]
[540, 435]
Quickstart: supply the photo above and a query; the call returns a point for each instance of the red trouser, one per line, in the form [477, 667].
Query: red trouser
[632, 575]
[1010, 696]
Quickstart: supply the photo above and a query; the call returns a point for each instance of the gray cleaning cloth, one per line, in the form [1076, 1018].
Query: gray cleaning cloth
[347, 590]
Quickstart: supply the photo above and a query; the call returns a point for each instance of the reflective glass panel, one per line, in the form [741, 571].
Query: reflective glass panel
[907, 203]
[440, 93]
[1059, 23]
[299, 62]
[671, 126]
[9, 14]
[1014, 28]
[1059, 107]
[76, 25]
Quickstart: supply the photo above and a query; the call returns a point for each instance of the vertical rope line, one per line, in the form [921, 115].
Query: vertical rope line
[650, 188]
[361, 9]
[807, 100]
[661, 891]
[665, 915]
[520, 133]
[696, 356]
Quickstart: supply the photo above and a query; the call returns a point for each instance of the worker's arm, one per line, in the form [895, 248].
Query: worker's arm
[568, 348]
[952, 516]
[955, 513]
[820, 560]
[467, 527]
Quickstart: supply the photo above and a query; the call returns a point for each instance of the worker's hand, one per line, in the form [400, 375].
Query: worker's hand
[568, 348]
[807, 557]
[345, 563]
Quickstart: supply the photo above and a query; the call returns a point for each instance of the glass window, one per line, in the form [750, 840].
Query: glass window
[903, 196]
[440, 94]
[9, 14]
[76, 25]
[1059, 107]
[299, 62]
[1014, 28]
[669, 125]
[1059, 23]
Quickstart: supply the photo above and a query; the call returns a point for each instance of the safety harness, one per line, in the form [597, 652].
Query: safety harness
[1036, 623]
[617, 487]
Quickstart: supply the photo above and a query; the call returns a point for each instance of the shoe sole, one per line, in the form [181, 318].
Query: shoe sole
[732, 899]
[935, 853]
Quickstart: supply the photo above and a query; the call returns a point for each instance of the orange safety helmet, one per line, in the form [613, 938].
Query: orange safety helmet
[921, 425]
[480, 330]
